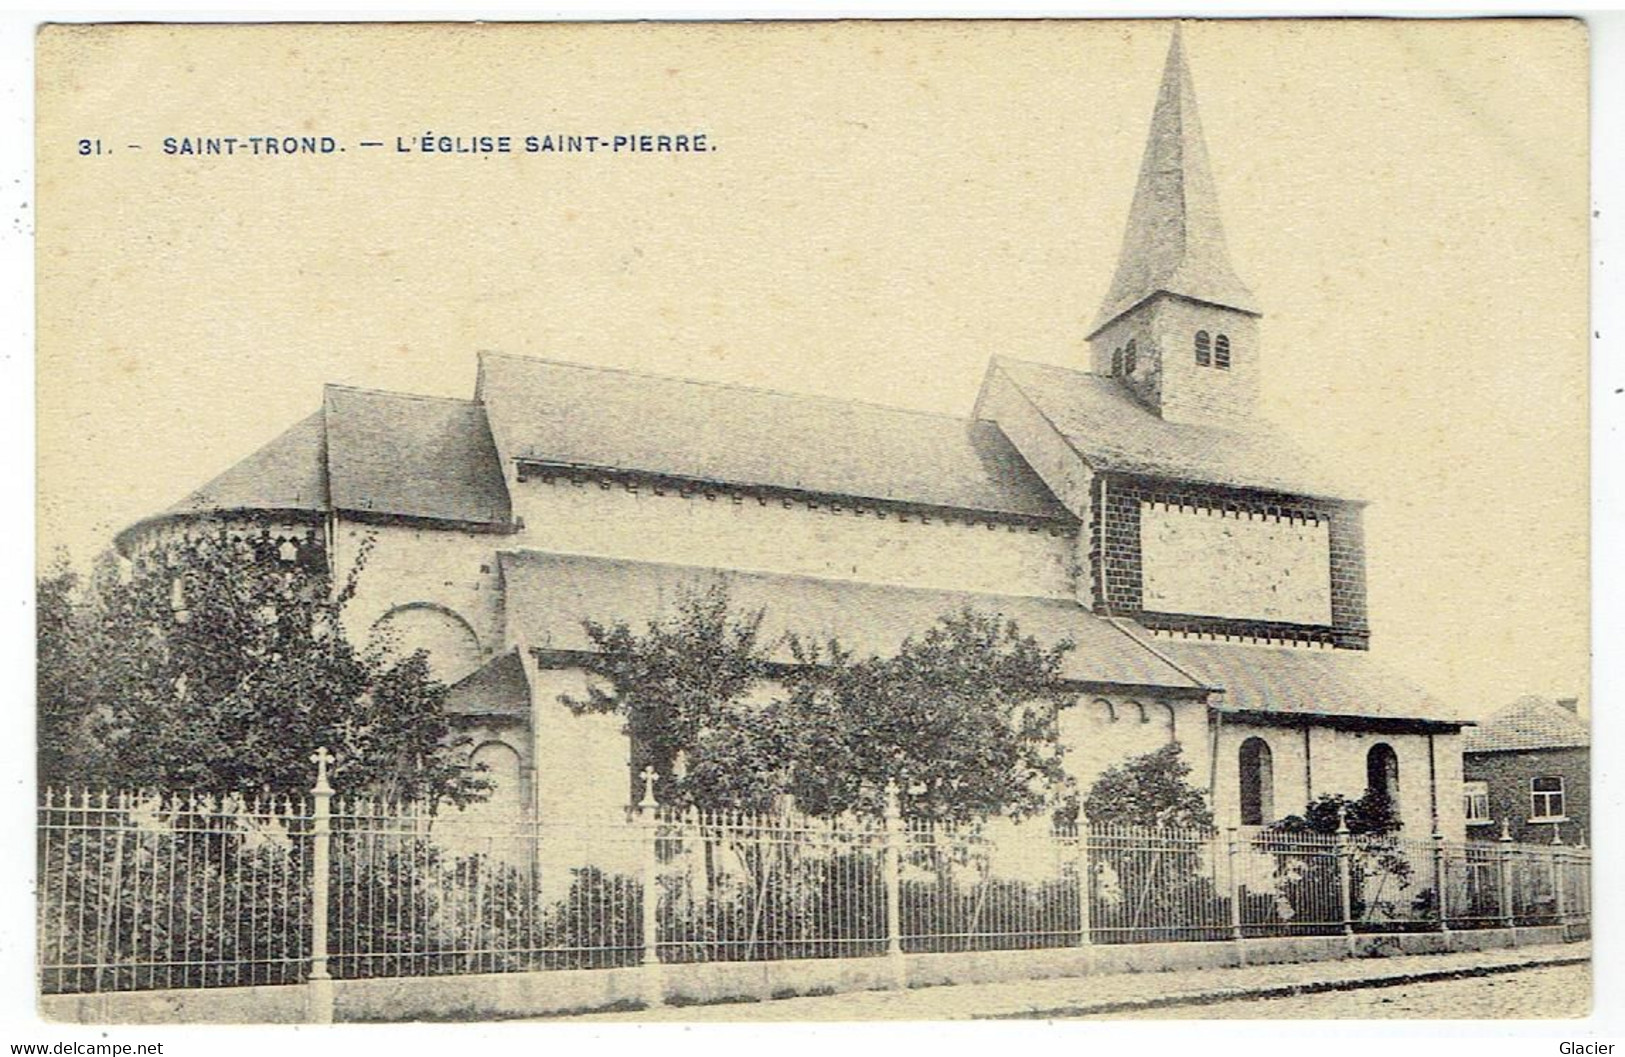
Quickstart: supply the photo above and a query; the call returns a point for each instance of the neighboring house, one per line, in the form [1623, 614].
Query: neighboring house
[1212, 579]
[1528, 768]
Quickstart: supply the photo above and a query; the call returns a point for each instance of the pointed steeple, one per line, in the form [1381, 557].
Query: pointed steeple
[1175, 241]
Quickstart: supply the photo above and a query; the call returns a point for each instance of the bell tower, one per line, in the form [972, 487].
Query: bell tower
[1179, 328]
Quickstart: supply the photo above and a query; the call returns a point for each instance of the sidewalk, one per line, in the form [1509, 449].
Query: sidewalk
[1117, 993]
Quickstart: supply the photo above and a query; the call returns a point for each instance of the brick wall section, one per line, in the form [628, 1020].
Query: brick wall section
[1508, 774]
[1118, 574]
[1348, 570]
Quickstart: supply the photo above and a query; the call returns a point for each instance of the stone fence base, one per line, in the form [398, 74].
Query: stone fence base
[503, 995]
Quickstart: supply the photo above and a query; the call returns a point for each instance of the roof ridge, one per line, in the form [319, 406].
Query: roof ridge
[734, 386]
[1122, 625]
[395, 393]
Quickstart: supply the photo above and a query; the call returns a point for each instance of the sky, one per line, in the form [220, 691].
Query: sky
[887, 206]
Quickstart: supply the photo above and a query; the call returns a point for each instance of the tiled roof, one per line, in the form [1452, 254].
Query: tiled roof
[286, 474]
[566, 414]
[1296, 681]
[412, 456]
[497, 688]
[1529, 723]
[549, 595]
[1111, 431]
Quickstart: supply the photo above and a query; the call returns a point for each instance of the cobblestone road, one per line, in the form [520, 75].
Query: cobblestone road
[1543, 993]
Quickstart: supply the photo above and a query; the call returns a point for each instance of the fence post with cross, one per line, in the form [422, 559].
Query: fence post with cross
[654, 987]
[1345, 875]
[893, 867]
[1085, 881]
[320, 984]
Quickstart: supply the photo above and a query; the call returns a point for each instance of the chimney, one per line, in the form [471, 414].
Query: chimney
[1570, 703]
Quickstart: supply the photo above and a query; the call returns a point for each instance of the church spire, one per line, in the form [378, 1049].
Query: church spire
[1175, 241]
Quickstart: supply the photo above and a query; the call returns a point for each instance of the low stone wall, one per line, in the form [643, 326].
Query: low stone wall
[503, 995]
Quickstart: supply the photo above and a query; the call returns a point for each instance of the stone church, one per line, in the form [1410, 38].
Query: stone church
[1211, 578]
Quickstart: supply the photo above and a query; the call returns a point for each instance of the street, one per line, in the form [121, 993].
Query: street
[1547, 993]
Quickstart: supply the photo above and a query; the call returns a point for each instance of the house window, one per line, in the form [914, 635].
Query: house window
[1475, 803]
[1204, 349]
[1128, 357]
[1221, 352]
[1257, 783]
[1546, 799]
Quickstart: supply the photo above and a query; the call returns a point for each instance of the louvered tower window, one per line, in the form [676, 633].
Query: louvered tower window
[1117, 361]
[1204, 349]
[1128, 357]
[1221, 352]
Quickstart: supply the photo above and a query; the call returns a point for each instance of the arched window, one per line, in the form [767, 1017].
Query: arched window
[1257, 783]
[1221, 352]
[1382, 773]
[1117, 361]
[501, 763]
[1128, 357]
[452, 646]
[1204, 349]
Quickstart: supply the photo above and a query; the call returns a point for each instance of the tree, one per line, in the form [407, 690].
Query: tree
[1377, 863]
[221, 664]
[1371, 814]
[962, 717]
[65, 695]
[1150, 791]
[680, 688]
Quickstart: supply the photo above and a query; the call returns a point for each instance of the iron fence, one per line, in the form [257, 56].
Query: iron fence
[138, 891]
[149, 891]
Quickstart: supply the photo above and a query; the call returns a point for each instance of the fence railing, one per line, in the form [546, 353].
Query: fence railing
[142, 892]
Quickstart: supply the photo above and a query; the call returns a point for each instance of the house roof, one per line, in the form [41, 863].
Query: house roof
[1293, 681]
[549, 596]
[571, 415]
[412, 456]
[1174, 242]
[1112, 432]
[1529, 723]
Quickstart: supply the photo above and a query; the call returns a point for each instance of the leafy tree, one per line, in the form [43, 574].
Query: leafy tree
[1150, 791]
[221, 664]
[1373, 814]
[962, 717]
[1378, 865]
[681, 687]
[65, 693]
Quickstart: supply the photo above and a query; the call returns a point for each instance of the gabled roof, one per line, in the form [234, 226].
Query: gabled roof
[286, 474]
[1294, 681]
[571, 415]
[412, 456]
[1113, 432]
[1527, 724]
[1175, 241]
[548, 596]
